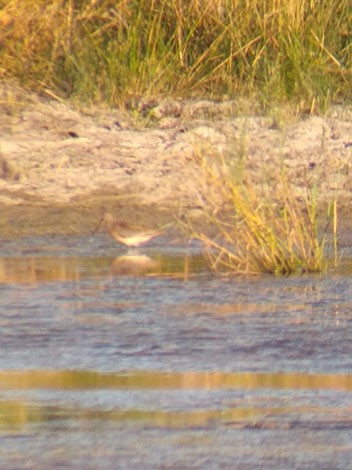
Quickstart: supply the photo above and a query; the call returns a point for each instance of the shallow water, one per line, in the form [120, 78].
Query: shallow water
[146, 361]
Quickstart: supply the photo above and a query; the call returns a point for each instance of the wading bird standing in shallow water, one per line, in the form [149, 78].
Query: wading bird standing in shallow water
[129, 235]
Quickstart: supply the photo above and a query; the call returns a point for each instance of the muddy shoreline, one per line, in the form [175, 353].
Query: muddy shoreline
[60, 166]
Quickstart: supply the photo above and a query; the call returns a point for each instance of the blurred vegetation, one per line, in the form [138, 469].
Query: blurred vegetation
[115, 52]
[266, 230]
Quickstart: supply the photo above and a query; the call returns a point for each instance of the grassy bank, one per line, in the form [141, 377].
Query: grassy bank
[117, 51]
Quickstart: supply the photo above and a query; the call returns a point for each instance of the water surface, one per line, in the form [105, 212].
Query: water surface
[145, 360]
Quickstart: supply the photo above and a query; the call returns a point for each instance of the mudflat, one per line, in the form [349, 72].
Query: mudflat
[61, 166]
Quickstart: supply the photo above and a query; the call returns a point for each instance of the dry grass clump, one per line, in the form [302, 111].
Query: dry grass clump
[260, 231]
[117, 51]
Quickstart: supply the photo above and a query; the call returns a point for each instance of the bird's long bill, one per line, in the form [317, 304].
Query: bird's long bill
[98, 226]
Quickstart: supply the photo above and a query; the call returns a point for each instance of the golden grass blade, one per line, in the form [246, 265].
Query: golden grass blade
[263, 233]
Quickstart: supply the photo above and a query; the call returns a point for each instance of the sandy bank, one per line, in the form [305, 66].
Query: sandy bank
[59, 166]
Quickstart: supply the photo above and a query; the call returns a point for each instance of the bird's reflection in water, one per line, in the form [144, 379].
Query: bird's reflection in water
[135, 265]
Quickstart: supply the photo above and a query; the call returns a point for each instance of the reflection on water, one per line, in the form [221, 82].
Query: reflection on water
[32, 270]
[146, 361]
[181, 413]
[135, 265]
[167, 419]
[42, 269]
[90, 380]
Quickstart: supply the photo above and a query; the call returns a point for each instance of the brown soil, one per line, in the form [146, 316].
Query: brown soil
[60, 167]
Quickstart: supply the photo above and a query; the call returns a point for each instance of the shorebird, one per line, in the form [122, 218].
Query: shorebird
[129, 235]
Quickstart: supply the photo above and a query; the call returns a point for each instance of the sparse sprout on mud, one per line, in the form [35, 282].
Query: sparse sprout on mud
[256, 231]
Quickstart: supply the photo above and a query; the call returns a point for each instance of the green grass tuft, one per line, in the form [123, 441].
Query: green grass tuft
[257, 231]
